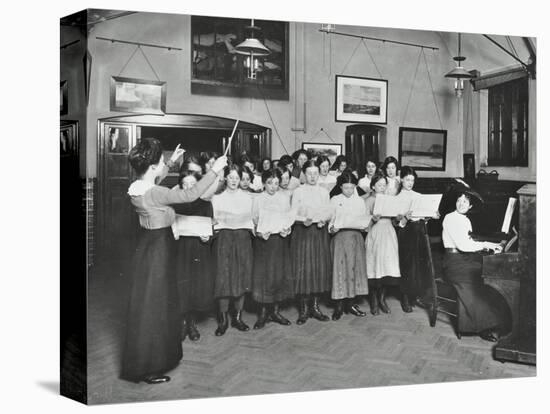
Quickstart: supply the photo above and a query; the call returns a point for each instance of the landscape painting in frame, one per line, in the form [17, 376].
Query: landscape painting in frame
[423, 149]
[138, 95]
[331, 151]
[361, 100]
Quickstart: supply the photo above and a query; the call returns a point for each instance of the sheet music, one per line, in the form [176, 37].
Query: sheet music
[425, 205]
[352, 222]
[390, 206]
[232, 221]
[508, 215]
[194, 226]
[271, 221]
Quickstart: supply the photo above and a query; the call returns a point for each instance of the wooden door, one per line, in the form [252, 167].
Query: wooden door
[118, 220]
[362, 142]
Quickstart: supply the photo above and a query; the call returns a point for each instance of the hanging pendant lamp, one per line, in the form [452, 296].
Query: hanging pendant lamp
[459, 73]
[253, 49]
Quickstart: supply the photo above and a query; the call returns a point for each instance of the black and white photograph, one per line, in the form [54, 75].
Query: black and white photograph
[423, 149]
[137, 95]
[361, 99]
[275, 206]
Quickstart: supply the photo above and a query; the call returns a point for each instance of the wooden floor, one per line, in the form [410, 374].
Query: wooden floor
[381, 350]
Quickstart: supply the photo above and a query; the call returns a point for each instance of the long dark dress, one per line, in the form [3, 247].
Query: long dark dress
[194, 263]
[310, 245]
[272, 278]
[414, 260]
[479, 306]
[153, 339]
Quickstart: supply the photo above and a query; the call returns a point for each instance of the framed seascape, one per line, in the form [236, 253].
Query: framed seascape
[423, 149]
[361, 100]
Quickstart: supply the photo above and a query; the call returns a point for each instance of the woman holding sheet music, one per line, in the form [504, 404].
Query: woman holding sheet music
[272, 267]
[349, 271]
[310, 244]
[382, 250]
[232, 249]
[194, 267]
[414, 247]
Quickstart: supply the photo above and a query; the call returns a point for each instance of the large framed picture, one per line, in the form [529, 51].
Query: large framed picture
[63, 99]
[138, 95]
[331, 151]
[361, 100]
[423, 149]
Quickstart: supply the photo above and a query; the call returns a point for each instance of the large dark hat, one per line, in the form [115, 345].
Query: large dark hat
[456, 189]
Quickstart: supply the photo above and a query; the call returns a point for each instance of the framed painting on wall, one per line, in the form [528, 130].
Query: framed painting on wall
[138, 95]
[361, 100]
[331, 151]
[423, 149]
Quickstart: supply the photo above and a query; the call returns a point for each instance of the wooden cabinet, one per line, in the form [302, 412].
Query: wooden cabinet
[362, 142]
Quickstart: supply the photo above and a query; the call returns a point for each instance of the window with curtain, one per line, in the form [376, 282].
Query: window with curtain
[508, 121]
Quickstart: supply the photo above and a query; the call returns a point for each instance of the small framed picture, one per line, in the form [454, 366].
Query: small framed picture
[423, 149]
[361, 100]
[138, 95]
[330, 150]
[63, 98]
[68, 139]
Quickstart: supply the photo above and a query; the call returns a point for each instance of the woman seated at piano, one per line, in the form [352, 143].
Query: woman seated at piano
[481, 310]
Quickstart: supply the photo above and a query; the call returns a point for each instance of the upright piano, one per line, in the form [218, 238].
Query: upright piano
[513, 275]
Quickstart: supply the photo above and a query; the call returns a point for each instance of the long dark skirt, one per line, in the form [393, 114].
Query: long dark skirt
[479, 306]
[272, 274]
[414, 260]
[195, 271]
[153, 340]
[311, 260]
[349, 265]
[233, 253]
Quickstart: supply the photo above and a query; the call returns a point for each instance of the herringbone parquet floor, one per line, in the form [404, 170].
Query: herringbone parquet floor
[381, 350]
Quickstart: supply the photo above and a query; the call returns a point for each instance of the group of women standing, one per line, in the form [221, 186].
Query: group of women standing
[326, 239]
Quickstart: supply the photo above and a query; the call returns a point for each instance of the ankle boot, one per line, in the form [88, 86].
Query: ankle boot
[237, 322]
[373, 301]
[223, 322]
[405, 303]
[192, 330]
[276, 317]
[382, 300]
[303, 314]
[262, 318]
[338, 310]
[316, 312]
[184, 328]
[352, 308]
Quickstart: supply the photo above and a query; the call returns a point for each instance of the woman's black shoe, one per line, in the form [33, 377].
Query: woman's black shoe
[373, 302]
[338, 310]
[223, 322]
[276, 317]
[303, 314]
[184, 329]
[354, 310]
[156, 379]
[405, 304]
[382, 300]
[489, 335]
[237, 322]
[262, 319]
[192, 330]
[316, 312]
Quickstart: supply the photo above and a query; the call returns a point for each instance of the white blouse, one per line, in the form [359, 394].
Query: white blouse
[456, 233]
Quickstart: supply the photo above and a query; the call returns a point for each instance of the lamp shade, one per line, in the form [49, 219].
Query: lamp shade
[459, 73]
[252, 45]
